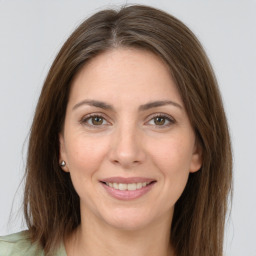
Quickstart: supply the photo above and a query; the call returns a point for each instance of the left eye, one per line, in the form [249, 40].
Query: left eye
[160, 121]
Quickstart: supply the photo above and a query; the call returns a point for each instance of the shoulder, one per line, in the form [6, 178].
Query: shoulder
[18, 244]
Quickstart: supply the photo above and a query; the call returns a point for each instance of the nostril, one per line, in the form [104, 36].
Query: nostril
[125, 155]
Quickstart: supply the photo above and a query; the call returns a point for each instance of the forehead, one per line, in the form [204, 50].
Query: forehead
[123, 73]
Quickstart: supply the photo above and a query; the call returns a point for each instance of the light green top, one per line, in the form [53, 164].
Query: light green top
[18, 244]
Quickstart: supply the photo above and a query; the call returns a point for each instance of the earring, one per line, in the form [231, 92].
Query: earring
[62, 163]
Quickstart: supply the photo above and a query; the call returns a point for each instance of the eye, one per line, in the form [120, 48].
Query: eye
[94, 120]
[161, 121]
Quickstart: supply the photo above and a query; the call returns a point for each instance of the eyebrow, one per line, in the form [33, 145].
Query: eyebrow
[103, 105]
[159, 103]
[94, 103]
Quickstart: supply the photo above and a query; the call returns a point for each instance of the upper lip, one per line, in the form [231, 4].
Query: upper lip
[127, 180]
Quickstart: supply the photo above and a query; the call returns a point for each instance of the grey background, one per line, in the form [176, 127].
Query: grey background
[32, 32]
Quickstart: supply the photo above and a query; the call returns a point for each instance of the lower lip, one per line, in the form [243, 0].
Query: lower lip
[128, 194]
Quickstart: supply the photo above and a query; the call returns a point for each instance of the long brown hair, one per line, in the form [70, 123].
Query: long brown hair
[51, 205]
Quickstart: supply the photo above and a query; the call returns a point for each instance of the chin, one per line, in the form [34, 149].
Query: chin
[128, 225]
[129, 220]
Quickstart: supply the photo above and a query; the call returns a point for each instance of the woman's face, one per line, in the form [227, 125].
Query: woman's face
[127, 140]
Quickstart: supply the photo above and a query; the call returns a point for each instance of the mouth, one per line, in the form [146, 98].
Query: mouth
[127, 188]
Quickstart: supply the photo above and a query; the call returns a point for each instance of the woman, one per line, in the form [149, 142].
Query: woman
[129, 150]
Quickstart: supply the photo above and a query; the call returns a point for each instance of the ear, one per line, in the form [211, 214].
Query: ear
[197, 158]
[63, 154]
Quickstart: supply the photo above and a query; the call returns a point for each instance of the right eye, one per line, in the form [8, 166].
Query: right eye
[94, 120]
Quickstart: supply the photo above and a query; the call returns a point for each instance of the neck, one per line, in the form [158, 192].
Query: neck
[96, 238]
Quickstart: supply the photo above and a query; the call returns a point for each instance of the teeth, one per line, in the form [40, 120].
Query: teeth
[122, 186]
[129, 186]
[139, 185]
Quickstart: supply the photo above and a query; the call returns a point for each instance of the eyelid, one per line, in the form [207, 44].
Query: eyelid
[86, 117]
[163, 115]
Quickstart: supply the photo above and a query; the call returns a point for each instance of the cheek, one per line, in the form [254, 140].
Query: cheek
[85, 154]
[173, 155]
[173, 161]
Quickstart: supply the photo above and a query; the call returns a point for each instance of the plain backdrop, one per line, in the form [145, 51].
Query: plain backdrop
[32, 32]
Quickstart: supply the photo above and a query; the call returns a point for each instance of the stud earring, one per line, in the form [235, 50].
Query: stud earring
[62, 163]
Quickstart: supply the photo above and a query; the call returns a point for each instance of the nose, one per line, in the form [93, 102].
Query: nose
[127, 147]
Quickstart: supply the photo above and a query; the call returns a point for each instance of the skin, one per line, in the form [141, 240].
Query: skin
[127, 141]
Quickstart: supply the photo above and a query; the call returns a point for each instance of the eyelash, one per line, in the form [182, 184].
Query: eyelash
[170, 120]
[167, 118]
[85, 119]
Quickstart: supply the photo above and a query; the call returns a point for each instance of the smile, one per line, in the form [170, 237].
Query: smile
[127, 188]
